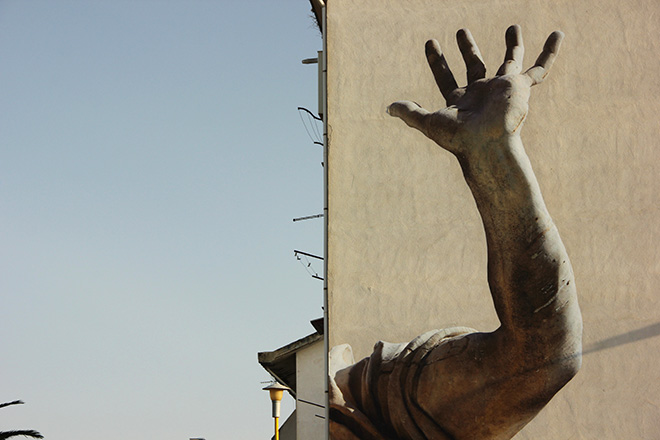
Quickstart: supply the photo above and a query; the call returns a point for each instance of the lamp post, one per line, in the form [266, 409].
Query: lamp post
[276, 390]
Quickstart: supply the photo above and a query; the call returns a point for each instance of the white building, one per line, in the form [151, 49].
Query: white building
[300, 366]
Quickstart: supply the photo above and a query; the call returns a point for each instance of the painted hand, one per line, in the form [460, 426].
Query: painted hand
[487, 109]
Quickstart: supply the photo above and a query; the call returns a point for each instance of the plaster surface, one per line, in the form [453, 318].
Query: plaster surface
[398, 267]
[309, 377]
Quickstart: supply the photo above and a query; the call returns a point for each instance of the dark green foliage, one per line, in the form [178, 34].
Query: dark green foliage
[24, 432]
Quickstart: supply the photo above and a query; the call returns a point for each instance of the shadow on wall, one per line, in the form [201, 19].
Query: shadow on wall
[626, 338]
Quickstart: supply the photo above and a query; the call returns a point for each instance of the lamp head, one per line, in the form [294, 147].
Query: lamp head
[276, 391]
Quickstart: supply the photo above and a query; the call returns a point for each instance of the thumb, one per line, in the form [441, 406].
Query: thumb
[410, 113]
[440, 126]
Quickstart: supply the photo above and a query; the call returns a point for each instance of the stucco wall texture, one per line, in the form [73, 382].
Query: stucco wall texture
[406, 248]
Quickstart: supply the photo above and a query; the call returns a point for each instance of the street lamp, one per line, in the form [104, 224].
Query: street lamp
[276, 390]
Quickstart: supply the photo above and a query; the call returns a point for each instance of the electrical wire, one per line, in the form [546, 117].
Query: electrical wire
[311, 127]
[308, 267]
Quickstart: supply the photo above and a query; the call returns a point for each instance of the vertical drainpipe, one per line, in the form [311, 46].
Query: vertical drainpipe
[323, 64]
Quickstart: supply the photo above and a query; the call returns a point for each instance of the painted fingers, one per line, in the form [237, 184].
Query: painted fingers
[443, 76]
[442, 125]
[515, 50]
[410, 113]
[476, 69]
[539, 71]
[439, 126]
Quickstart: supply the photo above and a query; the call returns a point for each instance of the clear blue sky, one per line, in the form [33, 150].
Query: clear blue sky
[151, 162]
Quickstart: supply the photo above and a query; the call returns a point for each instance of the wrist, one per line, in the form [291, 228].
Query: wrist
[492, 156]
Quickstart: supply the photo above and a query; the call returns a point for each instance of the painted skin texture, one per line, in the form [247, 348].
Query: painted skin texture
[459, 383]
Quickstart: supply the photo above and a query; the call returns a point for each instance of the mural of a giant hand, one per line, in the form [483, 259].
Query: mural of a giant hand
[459, 383]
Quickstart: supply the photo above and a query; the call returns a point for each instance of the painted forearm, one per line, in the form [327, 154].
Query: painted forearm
[528, 268]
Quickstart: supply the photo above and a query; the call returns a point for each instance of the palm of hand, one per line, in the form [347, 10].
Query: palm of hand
[486, 109]
[492, 108]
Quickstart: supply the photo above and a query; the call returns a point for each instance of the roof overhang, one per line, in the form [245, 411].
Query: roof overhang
[281, 363]
[317, 6]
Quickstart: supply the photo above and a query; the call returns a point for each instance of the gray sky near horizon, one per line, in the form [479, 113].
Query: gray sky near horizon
[151, 162]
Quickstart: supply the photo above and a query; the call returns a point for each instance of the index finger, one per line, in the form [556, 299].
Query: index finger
[441, 72]
[539, 71]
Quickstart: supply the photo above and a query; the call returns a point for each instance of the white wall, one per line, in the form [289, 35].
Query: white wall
[310, 381]
[406, 246]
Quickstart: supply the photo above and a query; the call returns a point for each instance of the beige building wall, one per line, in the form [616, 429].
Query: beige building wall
[406, 248]
[310, 377]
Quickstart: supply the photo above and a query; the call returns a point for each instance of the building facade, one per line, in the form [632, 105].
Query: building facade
[406, 251]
